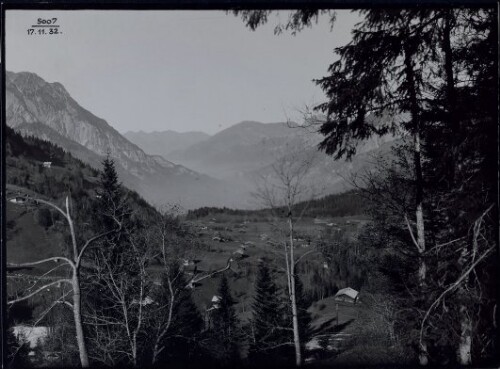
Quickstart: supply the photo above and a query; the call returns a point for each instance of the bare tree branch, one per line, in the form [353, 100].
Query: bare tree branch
[39, 290]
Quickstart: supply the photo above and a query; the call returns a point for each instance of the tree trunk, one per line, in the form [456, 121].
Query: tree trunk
[293, 298]
[419, 212]
[451, 99]
[465, 343]
[82, 348]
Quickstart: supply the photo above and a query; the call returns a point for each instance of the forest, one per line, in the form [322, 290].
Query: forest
[126, 284]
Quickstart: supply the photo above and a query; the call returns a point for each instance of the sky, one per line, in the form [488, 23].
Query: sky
[178, 70]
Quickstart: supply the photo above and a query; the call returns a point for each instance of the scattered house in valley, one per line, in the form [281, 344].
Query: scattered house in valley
[146, 301]
[21, 200]
[47, 164]
[189, 262]
[216, 300]
[190, 266]
[191, 269]
[347, 295]
[240, 254]
[208, 311]
[215, 303]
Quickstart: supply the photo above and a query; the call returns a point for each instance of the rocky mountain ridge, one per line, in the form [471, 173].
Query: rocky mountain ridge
[46, 110]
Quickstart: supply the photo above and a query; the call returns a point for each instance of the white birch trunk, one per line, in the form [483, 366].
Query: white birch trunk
[293, 299]
[465, 343]
[82, 348]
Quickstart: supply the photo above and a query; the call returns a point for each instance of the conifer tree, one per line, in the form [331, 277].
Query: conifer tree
[180, 344]
[113, 263]
[109, 194]
[268, 319]
[225, 331]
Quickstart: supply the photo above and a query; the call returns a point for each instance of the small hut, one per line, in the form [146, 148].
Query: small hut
[347, 295]
[216, 302]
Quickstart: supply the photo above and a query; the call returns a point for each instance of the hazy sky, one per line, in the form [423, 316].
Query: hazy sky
[179, 70]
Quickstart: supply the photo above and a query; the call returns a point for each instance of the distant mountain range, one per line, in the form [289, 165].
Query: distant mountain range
[164, 142]
[193, 168]
[247, 151]
[46, 110]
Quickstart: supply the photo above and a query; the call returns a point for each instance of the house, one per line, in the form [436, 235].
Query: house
[46, 164]
[189, 262]
[191, 269]
[215, 302]
[240, 254]
[347, 295]
[19, 200]
[146, 301]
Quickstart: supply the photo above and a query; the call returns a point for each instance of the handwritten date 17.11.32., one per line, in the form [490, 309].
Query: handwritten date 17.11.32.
[45, 27]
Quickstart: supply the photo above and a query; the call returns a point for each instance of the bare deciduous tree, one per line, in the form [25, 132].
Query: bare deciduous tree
[74, 263]
[281, 190]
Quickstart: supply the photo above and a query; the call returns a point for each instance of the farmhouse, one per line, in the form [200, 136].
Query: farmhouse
[189, 262]
[347, 295]
[46, 164]
[216, 302]
[191, 269]
[19, 200]
[240, 254]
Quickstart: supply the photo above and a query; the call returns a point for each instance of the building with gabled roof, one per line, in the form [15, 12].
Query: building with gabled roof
[347, 294]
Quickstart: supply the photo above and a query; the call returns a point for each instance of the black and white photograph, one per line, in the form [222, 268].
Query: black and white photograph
[248, 188]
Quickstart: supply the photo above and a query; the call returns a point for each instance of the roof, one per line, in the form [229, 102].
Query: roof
[348, 291]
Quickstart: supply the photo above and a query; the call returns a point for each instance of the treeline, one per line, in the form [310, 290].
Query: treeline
[338, 205]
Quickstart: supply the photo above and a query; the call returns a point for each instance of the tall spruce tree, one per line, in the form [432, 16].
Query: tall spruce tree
[226, 333]
[180, 344]
[268, 319]
[110, 203]
[112, 263]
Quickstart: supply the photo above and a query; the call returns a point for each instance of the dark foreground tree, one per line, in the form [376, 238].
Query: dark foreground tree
[180, 344]
[429, 75]
[225, 331]
[270, 333]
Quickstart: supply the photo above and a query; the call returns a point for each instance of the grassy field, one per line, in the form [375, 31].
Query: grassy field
[223, 235]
